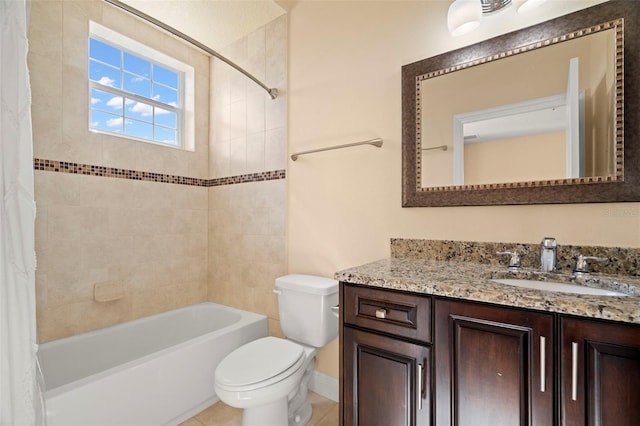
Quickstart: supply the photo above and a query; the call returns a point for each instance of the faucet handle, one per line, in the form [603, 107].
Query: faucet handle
[514, 260]
[582, 264]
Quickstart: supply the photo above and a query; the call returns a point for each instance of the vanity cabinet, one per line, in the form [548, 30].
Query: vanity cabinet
[411, 359]
[600, 373]
[386, 357]
[494, 365]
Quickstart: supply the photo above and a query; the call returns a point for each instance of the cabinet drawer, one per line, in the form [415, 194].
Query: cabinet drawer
[400, 314]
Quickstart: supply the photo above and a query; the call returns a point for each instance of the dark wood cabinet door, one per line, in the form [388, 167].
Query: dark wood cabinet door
[494, 366]
[600, 381]
[386, 381]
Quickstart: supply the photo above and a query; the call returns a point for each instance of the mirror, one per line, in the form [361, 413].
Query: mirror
[534, 116]
[512, 119]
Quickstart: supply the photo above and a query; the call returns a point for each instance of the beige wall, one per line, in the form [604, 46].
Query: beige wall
[344, 86]
[522, 159]
[247, 222]
[149, 237]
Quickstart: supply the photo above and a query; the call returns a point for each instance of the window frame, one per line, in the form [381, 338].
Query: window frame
[184, 110]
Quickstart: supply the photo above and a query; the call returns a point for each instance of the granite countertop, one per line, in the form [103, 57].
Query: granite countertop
[472, 281]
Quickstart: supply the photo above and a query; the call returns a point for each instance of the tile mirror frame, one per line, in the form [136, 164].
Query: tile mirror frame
[622, 187]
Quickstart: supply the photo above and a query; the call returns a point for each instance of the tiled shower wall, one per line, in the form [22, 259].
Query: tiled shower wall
[247, 222]
[152, 238]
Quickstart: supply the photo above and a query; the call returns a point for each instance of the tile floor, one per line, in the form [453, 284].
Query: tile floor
[325, 413]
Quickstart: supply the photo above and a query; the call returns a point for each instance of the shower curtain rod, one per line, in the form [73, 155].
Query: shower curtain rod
[273, 92]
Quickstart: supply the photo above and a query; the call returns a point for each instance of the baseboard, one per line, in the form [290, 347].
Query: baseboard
[325, 386]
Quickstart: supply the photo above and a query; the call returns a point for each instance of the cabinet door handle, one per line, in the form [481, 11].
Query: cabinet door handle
[420, 386]
[543, 364]
[574, 371]
[381, 313]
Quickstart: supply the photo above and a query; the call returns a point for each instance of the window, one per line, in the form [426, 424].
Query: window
[134, 96]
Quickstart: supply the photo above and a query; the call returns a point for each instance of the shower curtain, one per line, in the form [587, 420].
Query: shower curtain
[21, 401]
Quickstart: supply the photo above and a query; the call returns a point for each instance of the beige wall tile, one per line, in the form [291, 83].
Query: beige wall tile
[169, 245]
[276, 149]
[45, 29]
[118, 153]
[276, 48]
[246, 253]
[256, 105]
[155, 301]
[77, 222]
[255, 160]
[58, 36]
[256, 53]
[190, 293]
[191, 197]
[75, 29]
[55, 322]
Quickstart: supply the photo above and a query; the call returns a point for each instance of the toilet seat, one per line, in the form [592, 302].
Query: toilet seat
[259, 363]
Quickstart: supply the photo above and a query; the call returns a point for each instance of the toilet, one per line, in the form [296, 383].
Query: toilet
[268, 378]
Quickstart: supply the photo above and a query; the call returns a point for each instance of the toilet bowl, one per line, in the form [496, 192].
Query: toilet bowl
[261, 377]
[269, 377]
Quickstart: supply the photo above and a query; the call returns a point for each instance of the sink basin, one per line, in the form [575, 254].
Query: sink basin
[560, 287]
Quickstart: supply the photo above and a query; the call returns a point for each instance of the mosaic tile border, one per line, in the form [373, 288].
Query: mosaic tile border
[113, 172]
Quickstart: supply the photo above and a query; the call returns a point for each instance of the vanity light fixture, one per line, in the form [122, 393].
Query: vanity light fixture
[464, 16]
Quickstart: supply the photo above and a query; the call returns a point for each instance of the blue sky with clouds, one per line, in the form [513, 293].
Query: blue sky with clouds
[113, 111]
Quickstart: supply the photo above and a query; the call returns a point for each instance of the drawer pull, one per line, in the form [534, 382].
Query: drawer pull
[543, 364]
[420, 386]
[574, 371]
[381, 313]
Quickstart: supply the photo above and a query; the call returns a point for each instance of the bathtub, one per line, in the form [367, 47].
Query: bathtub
[157, 370]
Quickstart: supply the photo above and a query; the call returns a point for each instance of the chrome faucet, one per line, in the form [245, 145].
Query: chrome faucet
[514, 259]
[548, 254]
[582, 266]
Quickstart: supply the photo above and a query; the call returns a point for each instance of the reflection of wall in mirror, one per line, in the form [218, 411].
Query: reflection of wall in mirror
[600, 140]
[514, 79]
[523, 159]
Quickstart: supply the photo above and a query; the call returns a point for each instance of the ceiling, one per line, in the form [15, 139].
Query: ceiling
[214, 23]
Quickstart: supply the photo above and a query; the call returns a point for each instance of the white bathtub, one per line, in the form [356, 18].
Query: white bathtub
[157, 370]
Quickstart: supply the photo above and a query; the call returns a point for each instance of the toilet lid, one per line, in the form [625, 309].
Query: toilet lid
[258, 361]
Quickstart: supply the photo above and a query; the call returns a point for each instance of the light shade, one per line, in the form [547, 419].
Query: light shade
[524, 6]
[464, 16]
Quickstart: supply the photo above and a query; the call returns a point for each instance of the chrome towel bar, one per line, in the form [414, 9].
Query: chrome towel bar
[377, 142]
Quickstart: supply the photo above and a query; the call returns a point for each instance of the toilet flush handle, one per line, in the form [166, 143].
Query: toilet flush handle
[335, 310]
[276, 291]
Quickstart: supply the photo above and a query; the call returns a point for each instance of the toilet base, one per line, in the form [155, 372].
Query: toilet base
[299, 407]
[272, 414]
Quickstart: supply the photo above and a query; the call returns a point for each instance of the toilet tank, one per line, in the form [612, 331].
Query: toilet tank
[304, 304]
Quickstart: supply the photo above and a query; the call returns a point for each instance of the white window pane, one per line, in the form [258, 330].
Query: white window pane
[106, 122]
[136, 65]
[165, 76]
[104, 53]
[165, 135]
[104, 74]
[138, 110]
[165, 95]
[137, 84]
[106, 102]
[166, 118]
[138, 129]
[119, 71]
